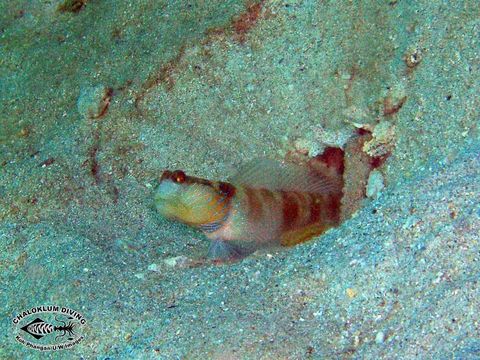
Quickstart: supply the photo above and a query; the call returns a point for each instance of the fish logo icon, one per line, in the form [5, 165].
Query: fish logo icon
[39, 328]
[49, 328]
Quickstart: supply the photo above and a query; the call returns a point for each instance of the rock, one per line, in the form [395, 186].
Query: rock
[351, 293]
[383, 141]
[375, 184]
[177, 261]
[380, 337]
[153, 267]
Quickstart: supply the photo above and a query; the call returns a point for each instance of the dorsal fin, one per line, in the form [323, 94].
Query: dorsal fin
[274, 175]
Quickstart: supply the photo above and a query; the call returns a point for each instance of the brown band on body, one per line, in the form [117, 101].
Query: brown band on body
[226, 191]
[290, 210]
[333, 207]
[315, 208]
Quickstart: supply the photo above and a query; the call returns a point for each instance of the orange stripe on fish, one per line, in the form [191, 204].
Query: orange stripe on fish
[266, 203]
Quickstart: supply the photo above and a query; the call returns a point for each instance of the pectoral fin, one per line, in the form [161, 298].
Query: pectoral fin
[225, 250]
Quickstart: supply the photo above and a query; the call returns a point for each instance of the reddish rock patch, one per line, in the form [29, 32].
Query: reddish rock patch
[247, 20]
[165, 75]
[390, 107]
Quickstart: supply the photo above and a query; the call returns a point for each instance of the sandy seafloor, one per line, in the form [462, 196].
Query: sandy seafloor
[98, 98]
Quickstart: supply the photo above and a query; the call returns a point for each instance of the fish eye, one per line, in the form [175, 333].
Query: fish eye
[178, 176]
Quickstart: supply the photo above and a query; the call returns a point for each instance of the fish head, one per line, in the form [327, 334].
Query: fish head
[191, 200]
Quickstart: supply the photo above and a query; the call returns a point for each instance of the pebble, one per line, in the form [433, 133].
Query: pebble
[351, 293]
[153, 267]
[380, 338]
[375, 184]
[177, 261]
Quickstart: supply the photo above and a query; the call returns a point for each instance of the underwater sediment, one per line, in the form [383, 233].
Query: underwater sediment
[97, 98]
